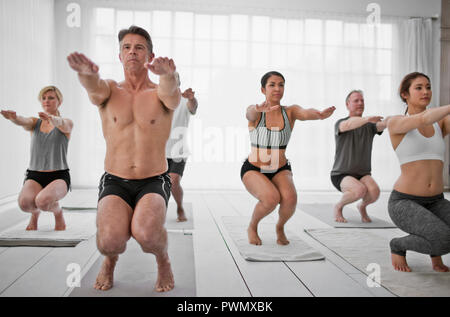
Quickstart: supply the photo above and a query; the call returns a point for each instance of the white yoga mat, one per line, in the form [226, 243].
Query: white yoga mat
[79, 227]
[171, 217]
[324, 212]
[297, 250]
[80, 199]
[136, 272]
[361, 248]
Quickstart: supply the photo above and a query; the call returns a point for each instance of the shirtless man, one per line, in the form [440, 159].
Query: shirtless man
[136, 119]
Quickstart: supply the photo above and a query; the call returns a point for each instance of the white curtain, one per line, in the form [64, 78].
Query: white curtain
[222, 56]
[26, 65]
[419, 45]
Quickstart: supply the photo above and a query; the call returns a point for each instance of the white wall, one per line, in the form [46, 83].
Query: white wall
[26, 65]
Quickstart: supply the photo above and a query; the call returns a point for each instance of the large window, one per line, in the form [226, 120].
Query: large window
[222, 57]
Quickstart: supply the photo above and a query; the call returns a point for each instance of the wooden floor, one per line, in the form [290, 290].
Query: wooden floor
[220, 270]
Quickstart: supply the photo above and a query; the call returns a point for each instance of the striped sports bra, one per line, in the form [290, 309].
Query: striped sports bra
[262, 137]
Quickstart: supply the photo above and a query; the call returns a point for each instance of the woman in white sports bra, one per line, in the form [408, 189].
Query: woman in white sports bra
[417, 205]
[267, 173]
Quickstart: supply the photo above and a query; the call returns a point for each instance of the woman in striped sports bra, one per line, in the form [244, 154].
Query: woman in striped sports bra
[267, 173]
[417, 205]
[47, 180]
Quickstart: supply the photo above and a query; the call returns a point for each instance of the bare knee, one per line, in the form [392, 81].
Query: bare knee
[289, 200]
[27, 204]
[150, 240]
[374, 194]
[175, 179]
[176, 186]
[109, 244]
[360, 191]
[271, 200]
[44, 202]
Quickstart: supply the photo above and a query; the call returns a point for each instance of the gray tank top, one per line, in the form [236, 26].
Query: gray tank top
[48, 150]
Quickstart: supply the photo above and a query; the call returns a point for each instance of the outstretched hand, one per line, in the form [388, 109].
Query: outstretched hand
[189, 94]
[161, 66]
[265, 107]
[81, 64]
[44, 116]
[374, 119]
[57, 121]
[9, 114]
[327, 112]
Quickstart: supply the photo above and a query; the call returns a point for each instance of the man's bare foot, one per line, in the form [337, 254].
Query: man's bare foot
[281, 237]
[438, 265]
[33, 225]
[364, 216]
[338, 217]
[399, 263]
[165, 280]
[253, 237]
[181, 215]
[105, 278]
[60, 224]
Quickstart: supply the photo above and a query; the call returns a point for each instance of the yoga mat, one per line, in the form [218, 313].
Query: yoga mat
[360, 248]
[171, 217]
[297, 250]
[136, 272]
[80, 199]
[79, 227]
[324, 212]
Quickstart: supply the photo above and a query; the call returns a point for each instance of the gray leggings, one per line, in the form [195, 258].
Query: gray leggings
[426, 219]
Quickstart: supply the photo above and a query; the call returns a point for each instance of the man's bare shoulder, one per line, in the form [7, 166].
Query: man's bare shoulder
[112, 83]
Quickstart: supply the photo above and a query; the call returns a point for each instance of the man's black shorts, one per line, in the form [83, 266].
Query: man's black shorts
[176, 166]
[132, 190]
[337, 179]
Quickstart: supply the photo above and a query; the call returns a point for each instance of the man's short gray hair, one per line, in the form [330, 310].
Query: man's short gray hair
[352, 92]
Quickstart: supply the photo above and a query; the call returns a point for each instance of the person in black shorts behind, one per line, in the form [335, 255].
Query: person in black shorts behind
[351, 173]
[176, 147]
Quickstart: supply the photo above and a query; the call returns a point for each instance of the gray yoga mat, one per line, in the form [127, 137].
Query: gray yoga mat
[136, 272]
[79, 227]
[297, 250]
[324, 212]
[360, 248]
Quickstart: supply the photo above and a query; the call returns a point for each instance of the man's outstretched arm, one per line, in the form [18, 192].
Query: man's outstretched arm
[168, 91]
[98, 89]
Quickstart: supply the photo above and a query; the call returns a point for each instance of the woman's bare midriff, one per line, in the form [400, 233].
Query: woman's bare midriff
[268, 159]
[421, 178]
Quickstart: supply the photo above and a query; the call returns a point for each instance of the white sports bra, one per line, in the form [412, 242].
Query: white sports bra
[416, 147]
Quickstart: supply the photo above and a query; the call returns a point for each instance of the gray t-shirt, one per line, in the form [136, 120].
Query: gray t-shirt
[354, 149]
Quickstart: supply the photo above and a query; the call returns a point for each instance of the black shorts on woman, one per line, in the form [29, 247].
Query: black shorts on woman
[45, 178]
[247, 166]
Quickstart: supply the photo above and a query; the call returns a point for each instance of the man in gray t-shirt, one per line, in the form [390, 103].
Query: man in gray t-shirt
[352, 163]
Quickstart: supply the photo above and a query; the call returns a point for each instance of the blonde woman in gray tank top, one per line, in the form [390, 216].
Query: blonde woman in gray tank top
[47, 179]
